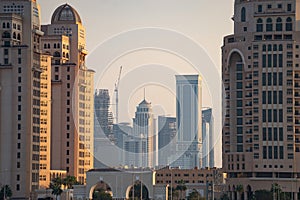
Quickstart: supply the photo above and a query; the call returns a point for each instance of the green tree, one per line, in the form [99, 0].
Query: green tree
[276, 190]
[101, 194]
[240, 190]
[194, 195]
[181, 187]
[55, 185]
[137, 191]
[5, 192]
[69, 181]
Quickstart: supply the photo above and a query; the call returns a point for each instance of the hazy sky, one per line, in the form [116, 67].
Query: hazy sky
[205, 22]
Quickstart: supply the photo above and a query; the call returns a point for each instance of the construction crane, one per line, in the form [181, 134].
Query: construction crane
[117, 95]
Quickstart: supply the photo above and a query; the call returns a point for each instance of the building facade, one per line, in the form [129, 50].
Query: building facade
[20, 57]
[140, 147]
[188, 115]
[72, 121]
[166, 139]
[104, 117]
[208, 154]
[261, 79]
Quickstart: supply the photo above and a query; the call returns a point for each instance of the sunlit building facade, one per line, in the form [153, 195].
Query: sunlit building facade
[20, 57]
[72, 121]
[261, 76]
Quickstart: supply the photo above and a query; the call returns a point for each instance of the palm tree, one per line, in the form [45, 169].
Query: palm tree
[69, 181]
[181, 187]
[55, 185]
[5, 192]
[239, 189]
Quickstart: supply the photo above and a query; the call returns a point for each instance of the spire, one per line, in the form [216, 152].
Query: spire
[144, 93]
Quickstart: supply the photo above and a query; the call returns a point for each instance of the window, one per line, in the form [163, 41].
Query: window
[289, 7]
[259, 8]
[269, 25]
[264, 134]
[269, 6]
[270, 152]
[259, 25]
[279, 5]
[264, 152]
[278, 24]
[243, 14]
[289, 24]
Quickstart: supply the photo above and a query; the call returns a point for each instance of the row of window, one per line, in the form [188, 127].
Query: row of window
[270, 152]
[269, 26]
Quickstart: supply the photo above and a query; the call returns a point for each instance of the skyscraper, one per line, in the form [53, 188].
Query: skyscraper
[103, 115]
[166, 139]
[20, 71]
[208, 153]
[142, 143]
[188, 115]
[72, 121]
[261, 79]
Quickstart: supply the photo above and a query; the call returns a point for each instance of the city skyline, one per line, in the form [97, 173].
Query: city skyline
[105, 19]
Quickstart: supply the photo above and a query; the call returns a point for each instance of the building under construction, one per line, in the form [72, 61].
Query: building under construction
[104, 117]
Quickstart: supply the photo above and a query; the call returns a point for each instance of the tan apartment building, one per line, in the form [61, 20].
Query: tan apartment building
[72, 119]
[261, 77]
[20, 71]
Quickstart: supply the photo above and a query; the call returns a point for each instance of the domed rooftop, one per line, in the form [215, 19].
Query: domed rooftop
[65, 13]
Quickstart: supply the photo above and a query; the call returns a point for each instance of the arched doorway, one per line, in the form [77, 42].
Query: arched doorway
[102, 191]
[137, 191]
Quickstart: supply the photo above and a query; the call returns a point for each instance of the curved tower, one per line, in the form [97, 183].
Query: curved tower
[261, 74]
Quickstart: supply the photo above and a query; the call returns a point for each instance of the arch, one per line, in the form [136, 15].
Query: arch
[280, 47]
[264, 47]
[3, 25]
[269, 47]
[236, 51]
[269, 25]
[64, 54]
[289, 24]
[6, 35]
[48, 46]
[19, 36]
[275, 47]
[101, 185]
[279, 24]
[14, 35]
[137, 191]
[67, 55]
[259, 25]
[58, 45]
[243, 14]
[45, 46]
[7, 25]
[54, 46]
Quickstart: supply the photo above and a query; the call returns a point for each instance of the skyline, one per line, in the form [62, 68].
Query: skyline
[117, 17]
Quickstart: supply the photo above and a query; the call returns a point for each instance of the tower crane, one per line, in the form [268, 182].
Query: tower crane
[117, 95]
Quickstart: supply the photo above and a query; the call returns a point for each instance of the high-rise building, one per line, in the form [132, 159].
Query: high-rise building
[166, 139]
[20, 71]
[188, 115]
[261, 76]
[102, 113]
[72, 122]
[208, 153]
[141, 145]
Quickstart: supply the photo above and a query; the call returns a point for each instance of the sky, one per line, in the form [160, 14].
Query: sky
[119, 24]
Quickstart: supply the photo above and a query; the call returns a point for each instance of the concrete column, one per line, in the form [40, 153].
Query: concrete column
[232, 195]
[245, 195]
[295, 195]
